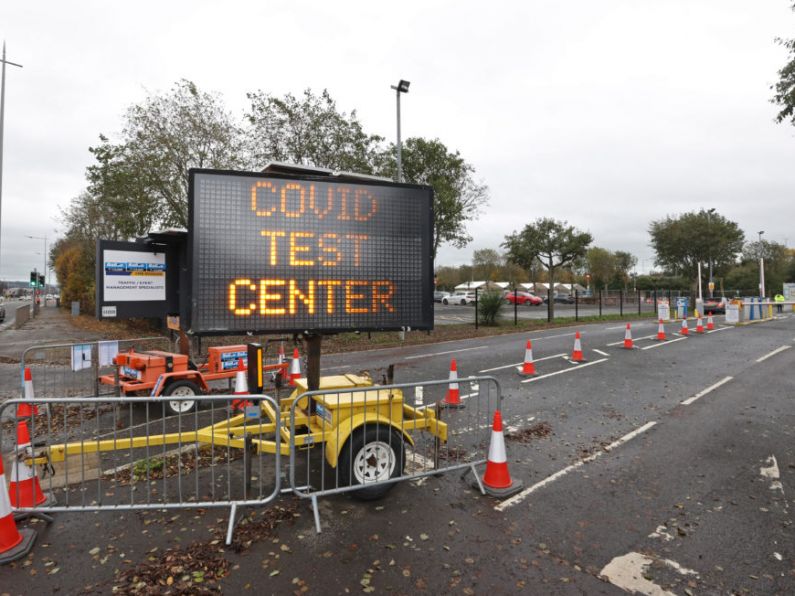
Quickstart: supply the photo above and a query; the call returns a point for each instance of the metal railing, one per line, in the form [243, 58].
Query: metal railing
[73, 369]
[125, 454]
[366, 439]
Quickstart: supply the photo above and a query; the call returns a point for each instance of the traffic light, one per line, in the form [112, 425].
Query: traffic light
[33, 279]
[41, 280]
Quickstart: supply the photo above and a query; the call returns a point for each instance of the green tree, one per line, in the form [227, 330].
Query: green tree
[601, 265]
[681, 242]
[308, 129]
[625, 263]
[145, 175]
[486, 264]
[552, 243]
[458, 197]
[784, 89]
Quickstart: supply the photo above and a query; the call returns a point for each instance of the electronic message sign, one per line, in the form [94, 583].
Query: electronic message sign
[270, 253]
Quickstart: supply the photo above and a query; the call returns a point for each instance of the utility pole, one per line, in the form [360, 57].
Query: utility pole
[2, 119]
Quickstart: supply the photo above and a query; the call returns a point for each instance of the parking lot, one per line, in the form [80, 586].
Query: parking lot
[641, 468]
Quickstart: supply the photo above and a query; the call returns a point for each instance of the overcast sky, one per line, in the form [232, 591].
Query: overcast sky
[606, 114]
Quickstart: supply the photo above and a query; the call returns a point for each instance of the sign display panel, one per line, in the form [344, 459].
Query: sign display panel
[288, 254]
[133, 276]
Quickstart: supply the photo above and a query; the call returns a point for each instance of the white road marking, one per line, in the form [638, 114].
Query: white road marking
[703, 392]
[601, 352]
[519, 363]
[629, 571]
[773, 353]
[662, 533]
[614, 328]
[618, 343]
[442, 353]
[565, 370]
[719, 329]
[510, 428]
[772, 472]
[663, 343]
[519, 497]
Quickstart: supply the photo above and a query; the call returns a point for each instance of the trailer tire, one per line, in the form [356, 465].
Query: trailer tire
[373, 453]
[181, 388]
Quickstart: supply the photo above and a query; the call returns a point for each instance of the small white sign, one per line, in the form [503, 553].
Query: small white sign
[664, 312]
[108, 350]
[732, 313]
[81, 356]
[108, 312]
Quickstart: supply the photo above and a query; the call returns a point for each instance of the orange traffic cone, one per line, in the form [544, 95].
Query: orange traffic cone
[453, 397]
[295, 367]
[281, 358]
[529, 367]
[26, 410]
[23, 436]
[699, 325]
[576, 355]
[684, 330]
[710, 322]
[24, 489]
[241, 387]
[661, 331]
[628, 345]
[14, 543]
[497, 480]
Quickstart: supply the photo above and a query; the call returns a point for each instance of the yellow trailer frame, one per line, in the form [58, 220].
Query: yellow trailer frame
[336, 415]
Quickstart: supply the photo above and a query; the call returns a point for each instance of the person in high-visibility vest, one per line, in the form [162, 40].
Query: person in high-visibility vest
[779, 298]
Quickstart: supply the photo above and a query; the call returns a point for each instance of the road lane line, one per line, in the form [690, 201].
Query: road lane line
[664, 343]
[519, 497]
[520, 363]
[703, 392]
[565, 370]
[773, 353]
[614, 328]
[442, 353]
[601, 352]
[719, 329]
[617, 343]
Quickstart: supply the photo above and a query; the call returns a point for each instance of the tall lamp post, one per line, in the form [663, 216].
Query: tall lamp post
[761, 265]
[711, 284]
[2, 119]
[46, 269]
[401, 87]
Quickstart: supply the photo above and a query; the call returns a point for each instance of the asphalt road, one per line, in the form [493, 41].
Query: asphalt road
[669, 468]
[11, 311]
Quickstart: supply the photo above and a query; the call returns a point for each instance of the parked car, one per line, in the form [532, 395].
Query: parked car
[561, 299]
[523, 298]
[714, 306]
[439, 296]
[2, 310]
[460, 298]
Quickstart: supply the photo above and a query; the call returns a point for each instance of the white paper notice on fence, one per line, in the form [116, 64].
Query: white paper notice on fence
[664, 312]
[107, 352]
[81, 356]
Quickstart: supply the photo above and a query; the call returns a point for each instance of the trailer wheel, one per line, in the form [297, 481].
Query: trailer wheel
[372, 454]
[181, 389]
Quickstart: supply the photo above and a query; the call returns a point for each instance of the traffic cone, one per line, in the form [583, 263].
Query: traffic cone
[661, 331]
[24, 489]
[14, 543]
[241, 387]
[497, 480]
[628, 345]
[684, 330]
[576, 355]
[280, 359]
[699, 325]
[710, 322]
[295, 367]
[453, 397]
[26, 410]
[529, 367]
[23, 435]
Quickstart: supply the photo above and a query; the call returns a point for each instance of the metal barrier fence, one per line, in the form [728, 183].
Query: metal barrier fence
[125, 454]
[366, 439]
[63, 370]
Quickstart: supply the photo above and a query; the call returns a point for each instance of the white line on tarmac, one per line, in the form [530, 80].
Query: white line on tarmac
[703, 392]
[614, 328]
[519, 497]
[719, 329]
[773, 353]
[565, 370]
[601, 352]
[442, 353]
[617, 343]
[520, 363]
[663, 343]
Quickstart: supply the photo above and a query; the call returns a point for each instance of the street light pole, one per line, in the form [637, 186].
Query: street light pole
[401, 87]
[761, 266]
[711, 285]
[2, 119]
